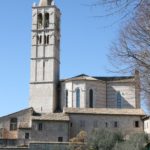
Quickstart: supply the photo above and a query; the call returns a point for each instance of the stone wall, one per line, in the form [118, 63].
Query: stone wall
[104, 93]
[147, 125]
[48, 146]
[42, 97]
[125, 123]
[13, 148]
[127, 91]
[40, 146]
[23, 121]
[99, 93]
[51, 131]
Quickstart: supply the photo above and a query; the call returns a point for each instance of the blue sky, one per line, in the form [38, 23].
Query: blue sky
[85, 44]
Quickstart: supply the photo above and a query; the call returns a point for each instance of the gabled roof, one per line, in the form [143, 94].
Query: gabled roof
[96, 78]
[81, 77]
[18, 112]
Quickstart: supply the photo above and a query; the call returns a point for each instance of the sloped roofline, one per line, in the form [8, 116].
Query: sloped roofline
[100, 78]
[23, 110]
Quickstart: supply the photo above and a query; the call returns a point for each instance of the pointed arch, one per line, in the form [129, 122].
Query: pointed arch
[91, 98]
[39, 20]
[46, 23]
[78, 98]
[119, 98]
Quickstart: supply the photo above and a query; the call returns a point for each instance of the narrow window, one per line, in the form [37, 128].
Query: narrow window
[118, 100]
[27, 135]
[136, 124]
[43, 71]
[60, 139]
[40, 41]
[40, 20]
[91, 98]
[71, 124]
[106, 124]
[57, 23]
[40, 126]
[13, 124]
[115, 124]
[66, 98]
[45, 39]
[77, 97]
[46, 20]
[48, 39]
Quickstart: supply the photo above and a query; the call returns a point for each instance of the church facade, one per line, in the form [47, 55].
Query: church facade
[60, 109]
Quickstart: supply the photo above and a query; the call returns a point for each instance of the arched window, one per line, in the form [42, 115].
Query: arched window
[119, 100]
[66, 98]
[13, 124]
[48, 39]
[46, 24]
[77, 97]
[40, 20]
[91, 98]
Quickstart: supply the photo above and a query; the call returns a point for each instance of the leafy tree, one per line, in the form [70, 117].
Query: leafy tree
[102, 139]
[135, 142]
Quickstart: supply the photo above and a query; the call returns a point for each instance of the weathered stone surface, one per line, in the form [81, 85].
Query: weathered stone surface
[105, 111]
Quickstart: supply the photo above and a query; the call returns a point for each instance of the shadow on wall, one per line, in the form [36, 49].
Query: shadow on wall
[116, 99]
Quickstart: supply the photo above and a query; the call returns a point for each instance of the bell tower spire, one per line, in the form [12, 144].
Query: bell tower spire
[45, 56]
[46, 2]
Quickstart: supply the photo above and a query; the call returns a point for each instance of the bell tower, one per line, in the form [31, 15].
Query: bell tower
[45, 56]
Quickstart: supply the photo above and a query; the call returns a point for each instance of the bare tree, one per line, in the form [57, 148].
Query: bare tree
[119, 6]
[132, 50]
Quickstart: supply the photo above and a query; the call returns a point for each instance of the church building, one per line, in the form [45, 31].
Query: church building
[60, 109]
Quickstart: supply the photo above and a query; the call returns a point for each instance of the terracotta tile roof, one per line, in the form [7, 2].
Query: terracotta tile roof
[52, 117]
[105, 111]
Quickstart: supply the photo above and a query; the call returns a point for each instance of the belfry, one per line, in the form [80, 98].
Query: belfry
[45, 58]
